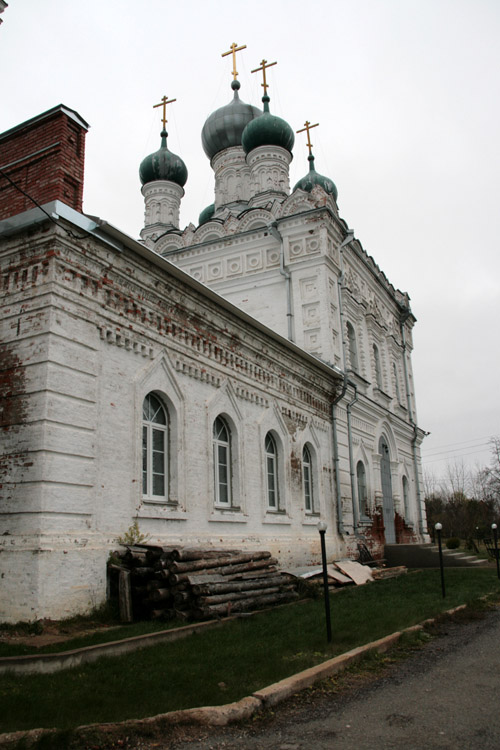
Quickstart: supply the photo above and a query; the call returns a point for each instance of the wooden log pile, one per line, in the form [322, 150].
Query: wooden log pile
[191, 583]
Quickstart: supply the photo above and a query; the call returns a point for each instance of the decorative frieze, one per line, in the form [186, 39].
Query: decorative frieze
[125, 340]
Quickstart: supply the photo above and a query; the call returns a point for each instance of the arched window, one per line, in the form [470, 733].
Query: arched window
[362, 488]
[222, 462]
[378, 367]
[406, 497]
[271, 472]
[154, 449]
[307, 480]
[353, 349]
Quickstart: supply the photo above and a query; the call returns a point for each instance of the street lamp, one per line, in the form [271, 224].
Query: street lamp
[322, 527]
[495, 536]
[438, 528]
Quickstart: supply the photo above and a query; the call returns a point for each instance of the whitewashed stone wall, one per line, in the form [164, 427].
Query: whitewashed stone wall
[312, 233]
[87, 332]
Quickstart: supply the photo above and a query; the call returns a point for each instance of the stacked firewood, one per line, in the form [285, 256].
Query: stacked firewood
[192, 583]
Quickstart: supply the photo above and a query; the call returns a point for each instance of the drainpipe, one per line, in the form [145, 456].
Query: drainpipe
[405, 314]
[336, 458]
[354, 493]
[274, 232]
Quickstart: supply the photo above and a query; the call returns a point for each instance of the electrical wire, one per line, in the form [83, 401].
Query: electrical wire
[463, 442]
[451, 456]
[51, 218]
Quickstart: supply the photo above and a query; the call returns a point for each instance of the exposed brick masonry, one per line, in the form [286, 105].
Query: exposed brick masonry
[45, 158]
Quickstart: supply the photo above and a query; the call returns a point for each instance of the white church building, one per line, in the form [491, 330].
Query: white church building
[227, 385]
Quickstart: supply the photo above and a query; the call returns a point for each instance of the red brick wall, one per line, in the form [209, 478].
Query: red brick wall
[45, 158]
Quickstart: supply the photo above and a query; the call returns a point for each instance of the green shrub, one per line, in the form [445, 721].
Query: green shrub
[453, 542]
[132, 536]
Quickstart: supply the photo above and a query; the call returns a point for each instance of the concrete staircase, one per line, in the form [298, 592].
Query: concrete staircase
[427, 556]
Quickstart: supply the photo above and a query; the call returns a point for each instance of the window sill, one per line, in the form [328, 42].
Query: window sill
[277, 518]
[227, 515]
[381, 396]
[160, 501]
[164, 511]
[311, 519]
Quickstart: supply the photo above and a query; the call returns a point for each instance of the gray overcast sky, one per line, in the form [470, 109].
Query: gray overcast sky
[407, 96]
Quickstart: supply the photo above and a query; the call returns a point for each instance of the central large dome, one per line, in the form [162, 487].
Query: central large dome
[225, 126]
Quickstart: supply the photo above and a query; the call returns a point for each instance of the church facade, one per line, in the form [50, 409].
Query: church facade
[228, 385]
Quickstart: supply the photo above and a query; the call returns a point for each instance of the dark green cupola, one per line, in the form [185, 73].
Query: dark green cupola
[313, 178]
[206, 214]
[267, 130]
[163, 165]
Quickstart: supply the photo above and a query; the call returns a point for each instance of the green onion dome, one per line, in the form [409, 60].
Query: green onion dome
[163, 165]
[206, 214]
[313, 178]
[224, 127]
[267, 130]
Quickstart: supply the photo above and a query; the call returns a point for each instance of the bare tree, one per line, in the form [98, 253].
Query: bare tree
[458, 479]
[466, 501]
[431, 484]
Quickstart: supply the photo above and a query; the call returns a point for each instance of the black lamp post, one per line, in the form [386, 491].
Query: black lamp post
[438, 528]
[322, 527]
[495, 537]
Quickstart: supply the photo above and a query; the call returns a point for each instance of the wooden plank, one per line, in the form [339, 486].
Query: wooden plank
[360, 574]
[125, 596]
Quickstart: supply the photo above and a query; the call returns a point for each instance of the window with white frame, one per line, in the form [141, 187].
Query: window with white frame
[362, 488]
[307, 481]
[154, 449]
[353, 349]
[222, 463]
[271, 472]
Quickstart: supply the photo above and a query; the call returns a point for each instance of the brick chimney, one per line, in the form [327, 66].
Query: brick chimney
[45, 157]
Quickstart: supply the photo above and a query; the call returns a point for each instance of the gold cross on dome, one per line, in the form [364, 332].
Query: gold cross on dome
[234, 49]
[263, 67]
[163, 104]
[308, 127]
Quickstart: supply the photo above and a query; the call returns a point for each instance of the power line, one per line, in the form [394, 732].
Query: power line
[460, 455]
[440, 453]
[463, 442]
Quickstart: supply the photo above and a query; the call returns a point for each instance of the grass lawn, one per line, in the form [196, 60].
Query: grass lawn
[228, 663]
[105, 635]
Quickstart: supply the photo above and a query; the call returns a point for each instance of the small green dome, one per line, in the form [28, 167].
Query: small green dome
[224, 127]
[163, 165]
[267, 130]
[206, 214]
[313, 178]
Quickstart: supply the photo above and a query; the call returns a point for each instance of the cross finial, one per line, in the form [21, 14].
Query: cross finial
[308, 127]
[163, 104]
[234, 49]
[263, 67]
